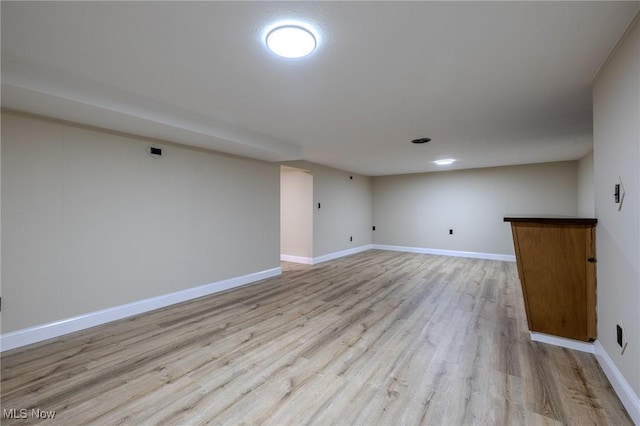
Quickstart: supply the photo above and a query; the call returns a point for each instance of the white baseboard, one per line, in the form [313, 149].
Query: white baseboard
[455, 253]
[338, 254]
[562, 342]
[296, 259]
[27, 336]
[629, 399]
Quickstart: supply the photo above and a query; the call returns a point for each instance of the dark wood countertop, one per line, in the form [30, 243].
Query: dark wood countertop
[551, 219]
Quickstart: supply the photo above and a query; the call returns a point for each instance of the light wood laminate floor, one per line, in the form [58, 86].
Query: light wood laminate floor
[377, 338]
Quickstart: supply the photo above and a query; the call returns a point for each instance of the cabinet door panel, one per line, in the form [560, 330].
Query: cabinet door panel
[553, 270]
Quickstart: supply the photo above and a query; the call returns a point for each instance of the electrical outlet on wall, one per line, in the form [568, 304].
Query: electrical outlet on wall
[619, 194]
[621, 336]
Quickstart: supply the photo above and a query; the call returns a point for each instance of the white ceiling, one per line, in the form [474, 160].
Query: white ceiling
[492, 83]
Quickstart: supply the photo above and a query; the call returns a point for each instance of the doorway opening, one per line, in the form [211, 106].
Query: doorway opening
[296, 215]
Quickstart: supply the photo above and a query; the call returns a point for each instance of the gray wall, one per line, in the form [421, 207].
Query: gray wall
[345, 208]
[296, 212]
[616, 132]
[586, 192]
[418, 210]
[90, 220]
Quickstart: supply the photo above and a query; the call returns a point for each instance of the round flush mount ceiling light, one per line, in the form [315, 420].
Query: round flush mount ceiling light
[445, 161]
[291, 41]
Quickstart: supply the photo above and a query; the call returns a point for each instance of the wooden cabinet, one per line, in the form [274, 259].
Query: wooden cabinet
[556, 265]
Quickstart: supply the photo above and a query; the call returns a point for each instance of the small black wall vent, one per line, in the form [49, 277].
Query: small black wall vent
[421, 140]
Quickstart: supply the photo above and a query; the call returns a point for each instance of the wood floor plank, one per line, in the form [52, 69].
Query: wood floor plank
[374, 338]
